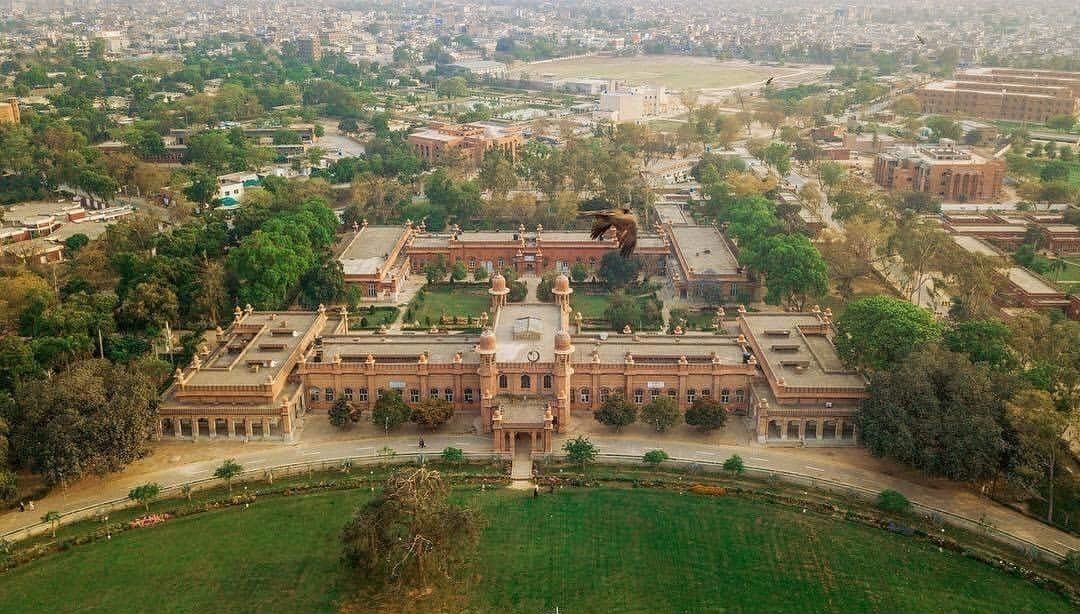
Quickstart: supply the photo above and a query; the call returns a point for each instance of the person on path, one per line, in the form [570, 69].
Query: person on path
[421, 444]
[536, 491]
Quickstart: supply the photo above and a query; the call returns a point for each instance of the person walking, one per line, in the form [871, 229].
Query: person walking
[536, 490]
[421, 443]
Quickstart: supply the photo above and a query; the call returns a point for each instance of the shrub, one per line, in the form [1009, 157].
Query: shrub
[453, 455]
[734, 464]
[653, 458]
[1072, 562]
[893, 501]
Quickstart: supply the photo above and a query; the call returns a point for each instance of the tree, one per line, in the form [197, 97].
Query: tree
[1040, 429]
[53, 518]
[93, 417]
[458, 272]
[348, 126]
[580, 450]
[76, 242]
[145, 494]
[1061, 123]
[453, 455]
[653, 458]
[211, 149]
[1054, 171]
[227, 471]
[876, 332]
[907, 105]
[390, 411]
[661, 413]
[579, 272]
[616, 411]
[410, 534]
[432, 412]
[617, 271]
[454, 87]
[794, 270]
[150, 304]
[497, 174]
[342, 413]
[480, 274]
[706, 414]
[203, 187]
[830, 174]
[983, 341]
[734, 464]
[936, 411]
[778, 156]
[893, 501]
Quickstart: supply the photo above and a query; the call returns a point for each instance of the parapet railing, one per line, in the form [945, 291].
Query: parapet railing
[934, 514]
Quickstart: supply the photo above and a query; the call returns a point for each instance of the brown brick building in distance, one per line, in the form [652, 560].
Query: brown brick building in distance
[9, 111]
[473, 139]
[1004, 93]
[529, 375]
[944, 171]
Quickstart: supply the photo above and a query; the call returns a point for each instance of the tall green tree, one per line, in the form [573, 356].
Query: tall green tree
[661, 413]
[390, 411]
[616, 411]
[937, 412]
[876, 332]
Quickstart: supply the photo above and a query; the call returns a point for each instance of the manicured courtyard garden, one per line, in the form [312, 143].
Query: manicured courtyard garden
[587, 550]
[436, 301]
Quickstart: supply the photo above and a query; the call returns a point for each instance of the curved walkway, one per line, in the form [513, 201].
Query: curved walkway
[176, 463]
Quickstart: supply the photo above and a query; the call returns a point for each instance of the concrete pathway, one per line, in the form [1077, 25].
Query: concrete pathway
[176, 463]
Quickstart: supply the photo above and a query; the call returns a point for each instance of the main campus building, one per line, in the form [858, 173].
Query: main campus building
[528, 375]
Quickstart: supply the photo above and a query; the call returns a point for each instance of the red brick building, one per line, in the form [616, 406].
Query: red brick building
[944, 171]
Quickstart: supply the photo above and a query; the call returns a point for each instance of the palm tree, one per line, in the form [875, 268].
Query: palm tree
[53, 518]
[227, 471]
[1058, 266]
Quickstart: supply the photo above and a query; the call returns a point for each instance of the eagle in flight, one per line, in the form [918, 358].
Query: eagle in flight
[624, 223]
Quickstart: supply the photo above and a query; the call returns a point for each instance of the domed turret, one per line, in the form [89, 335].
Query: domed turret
[487, 342]
[561, 285]
[498, 284]
[562, 342]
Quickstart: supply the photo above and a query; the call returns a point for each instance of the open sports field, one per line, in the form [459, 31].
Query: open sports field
[582, 551]
[674, 71]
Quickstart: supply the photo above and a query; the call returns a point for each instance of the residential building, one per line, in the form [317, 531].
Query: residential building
[9, 111]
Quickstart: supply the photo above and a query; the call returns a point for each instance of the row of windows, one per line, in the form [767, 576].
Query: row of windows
[584, 395]
[315, 394]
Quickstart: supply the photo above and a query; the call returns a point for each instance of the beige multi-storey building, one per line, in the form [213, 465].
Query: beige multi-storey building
[473, 140]
[1004, 93]
[527, 376]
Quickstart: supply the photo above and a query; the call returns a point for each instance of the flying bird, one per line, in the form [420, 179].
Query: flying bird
[768, 82]
[624, 223]
[922, 41]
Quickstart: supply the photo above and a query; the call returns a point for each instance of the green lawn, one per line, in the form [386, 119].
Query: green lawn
[463, 300]
[599, 550]
[590, 305]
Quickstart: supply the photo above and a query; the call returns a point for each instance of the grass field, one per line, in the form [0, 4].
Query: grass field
[674, 71]
[583, 551]
[590, 305]
[463, 300]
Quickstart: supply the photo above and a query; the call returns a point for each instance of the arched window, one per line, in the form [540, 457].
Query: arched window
[654, 393]
[433, 393]
[363, 394]
[739, 394]
[605, 393]
[329, 394]
[315, 393]
[586, 395]
[347, 393]
[639, 396]
[526, 382]
[414, 395]
[468, 395]
[448, 394]
[503, 382]
[725, 395]
[547, 381]
[671, 392]
[706, 393]
[691, 394]
[379, 394]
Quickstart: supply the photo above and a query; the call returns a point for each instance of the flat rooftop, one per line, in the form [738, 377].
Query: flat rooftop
[656, 348]
[400, 348]
[369, 249]
[805, 360]
[1029, 283]
[975, 245]
[263, 338]
[1002, 228]
[547, 318]
[672, 214]
[704, 251]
